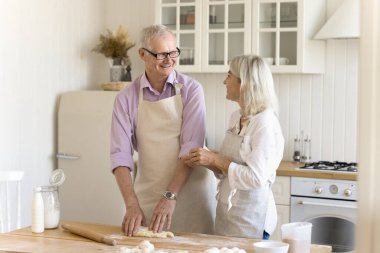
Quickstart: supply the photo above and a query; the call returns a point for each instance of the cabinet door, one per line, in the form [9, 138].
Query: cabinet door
[282, 33]
[277, 32]
[225, 32]
[281, 190]
[283, 214]
[183, 18]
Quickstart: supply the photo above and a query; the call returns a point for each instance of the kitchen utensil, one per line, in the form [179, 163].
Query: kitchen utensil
[270, 247]
[81, 231]
[298, 235]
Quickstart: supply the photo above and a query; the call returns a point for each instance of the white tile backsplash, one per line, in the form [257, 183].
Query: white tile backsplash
[324, 106]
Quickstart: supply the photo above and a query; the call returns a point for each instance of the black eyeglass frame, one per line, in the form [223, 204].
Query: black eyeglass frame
[177, 53]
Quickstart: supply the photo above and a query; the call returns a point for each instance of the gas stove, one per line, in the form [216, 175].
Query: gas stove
[331, 166]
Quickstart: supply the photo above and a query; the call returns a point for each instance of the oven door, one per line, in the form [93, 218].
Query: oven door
[333, 221]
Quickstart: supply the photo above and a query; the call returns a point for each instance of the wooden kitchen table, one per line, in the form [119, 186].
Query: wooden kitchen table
[59, 240]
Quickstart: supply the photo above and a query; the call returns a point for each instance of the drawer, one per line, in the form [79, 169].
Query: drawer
[281, 190]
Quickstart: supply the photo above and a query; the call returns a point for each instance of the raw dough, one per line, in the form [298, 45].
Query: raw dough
[147, 247]
[144, 232]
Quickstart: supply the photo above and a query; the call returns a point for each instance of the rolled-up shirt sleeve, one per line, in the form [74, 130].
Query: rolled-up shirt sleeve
[193, 125]
[121, 135]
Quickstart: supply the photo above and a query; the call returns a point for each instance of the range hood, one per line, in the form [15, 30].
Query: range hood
[343, 23]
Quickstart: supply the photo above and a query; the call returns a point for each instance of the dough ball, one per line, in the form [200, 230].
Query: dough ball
[146, 245]
[212, 250]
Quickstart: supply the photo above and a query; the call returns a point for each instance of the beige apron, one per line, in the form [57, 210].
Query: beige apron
[158, 138]
[246, 216]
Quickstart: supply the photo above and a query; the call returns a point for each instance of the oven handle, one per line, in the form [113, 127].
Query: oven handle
[325, 204]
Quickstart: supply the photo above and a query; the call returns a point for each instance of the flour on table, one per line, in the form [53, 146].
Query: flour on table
[144, 232]
[147, 247]
[224, 250]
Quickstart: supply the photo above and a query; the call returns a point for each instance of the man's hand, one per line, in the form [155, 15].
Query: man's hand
[133, 218]
[162, 215]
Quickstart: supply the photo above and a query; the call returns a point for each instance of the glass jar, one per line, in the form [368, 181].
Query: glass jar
[51, 206]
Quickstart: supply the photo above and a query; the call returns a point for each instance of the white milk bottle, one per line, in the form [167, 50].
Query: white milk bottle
[37, 211]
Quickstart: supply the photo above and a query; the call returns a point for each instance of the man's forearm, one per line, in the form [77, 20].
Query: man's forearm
[180, 178]
[124, 181]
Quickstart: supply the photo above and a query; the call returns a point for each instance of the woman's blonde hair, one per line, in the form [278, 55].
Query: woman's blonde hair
[256, 84]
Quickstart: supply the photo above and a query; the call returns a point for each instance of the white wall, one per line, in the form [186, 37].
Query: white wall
[45, 50]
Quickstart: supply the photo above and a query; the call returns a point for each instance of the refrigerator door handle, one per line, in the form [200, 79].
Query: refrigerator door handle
[67, 156]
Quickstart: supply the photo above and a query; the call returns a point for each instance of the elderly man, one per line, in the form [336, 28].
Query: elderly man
[161, 115]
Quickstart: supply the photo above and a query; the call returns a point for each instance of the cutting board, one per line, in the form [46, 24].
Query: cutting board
[191, 242]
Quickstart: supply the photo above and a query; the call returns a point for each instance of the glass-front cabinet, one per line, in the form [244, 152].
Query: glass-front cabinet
[183, 18]
[283, 32]
[226, 32]
[211, 32]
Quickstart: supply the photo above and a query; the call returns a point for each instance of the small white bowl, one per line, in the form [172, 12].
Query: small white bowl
[270, 247]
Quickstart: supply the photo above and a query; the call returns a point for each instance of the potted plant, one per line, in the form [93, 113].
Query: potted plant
[115, 46]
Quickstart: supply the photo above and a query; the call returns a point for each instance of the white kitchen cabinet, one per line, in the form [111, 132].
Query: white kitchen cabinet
[183, 17]
[225, 32]
[209, 32]
[282, 33]
[281, 193]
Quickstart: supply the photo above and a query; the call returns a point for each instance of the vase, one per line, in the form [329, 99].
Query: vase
[116, 73]
[119, 72]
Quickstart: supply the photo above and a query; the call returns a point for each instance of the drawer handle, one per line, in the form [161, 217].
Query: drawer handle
[325, 204]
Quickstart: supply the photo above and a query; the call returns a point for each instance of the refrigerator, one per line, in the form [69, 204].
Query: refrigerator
[90, 192]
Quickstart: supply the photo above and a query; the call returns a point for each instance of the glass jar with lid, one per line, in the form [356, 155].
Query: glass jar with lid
[51, 206]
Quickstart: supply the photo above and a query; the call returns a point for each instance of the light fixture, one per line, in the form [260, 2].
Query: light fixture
[343, 24]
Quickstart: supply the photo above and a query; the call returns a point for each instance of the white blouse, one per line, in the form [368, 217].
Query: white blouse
[262, 151]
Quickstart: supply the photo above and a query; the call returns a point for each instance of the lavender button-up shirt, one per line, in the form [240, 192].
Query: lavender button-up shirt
[124, 117]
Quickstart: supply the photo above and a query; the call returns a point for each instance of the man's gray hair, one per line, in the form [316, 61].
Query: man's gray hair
[152, 32]
[256, 84]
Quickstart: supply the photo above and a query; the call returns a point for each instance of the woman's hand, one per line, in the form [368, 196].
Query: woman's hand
[207, 158]
[200, 157]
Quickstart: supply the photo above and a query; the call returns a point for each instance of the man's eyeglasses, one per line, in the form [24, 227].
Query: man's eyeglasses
[161, 56]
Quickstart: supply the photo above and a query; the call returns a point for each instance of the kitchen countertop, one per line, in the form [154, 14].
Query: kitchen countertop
[59, 240]
[287, 168]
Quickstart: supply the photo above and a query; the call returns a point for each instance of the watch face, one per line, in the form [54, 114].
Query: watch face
[169, 195]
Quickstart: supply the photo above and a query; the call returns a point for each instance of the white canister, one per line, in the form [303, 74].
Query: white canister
[37, 211]
[51, 206]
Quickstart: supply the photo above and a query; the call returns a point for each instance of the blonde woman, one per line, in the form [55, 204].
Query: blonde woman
[250, 154]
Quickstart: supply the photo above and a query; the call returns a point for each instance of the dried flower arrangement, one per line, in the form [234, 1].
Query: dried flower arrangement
[115, 45]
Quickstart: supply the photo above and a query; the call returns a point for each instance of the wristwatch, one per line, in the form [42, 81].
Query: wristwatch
[169, 195]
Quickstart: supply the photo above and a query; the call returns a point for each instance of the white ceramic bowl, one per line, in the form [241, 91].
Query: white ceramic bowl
[269, 60]
[270, 247]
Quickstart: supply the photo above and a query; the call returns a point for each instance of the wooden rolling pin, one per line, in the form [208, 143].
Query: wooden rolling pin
[84, 232]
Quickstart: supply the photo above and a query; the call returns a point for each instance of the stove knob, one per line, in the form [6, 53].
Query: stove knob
[318, 189]
[348, 192]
